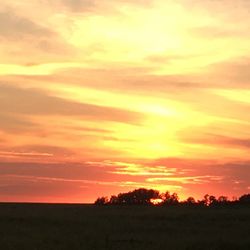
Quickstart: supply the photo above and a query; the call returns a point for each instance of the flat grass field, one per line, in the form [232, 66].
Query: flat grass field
[50, 226]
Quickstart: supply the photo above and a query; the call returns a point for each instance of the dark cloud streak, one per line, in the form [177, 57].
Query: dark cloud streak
[14, 27]
[34, 102]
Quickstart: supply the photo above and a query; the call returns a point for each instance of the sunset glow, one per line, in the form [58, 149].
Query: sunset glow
[101, 97]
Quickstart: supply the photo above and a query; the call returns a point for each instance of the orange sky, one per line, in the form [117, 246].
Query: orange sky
[101, 97]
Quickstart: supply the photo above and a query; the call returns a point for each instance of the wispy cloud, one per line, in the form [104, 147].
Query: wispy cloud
[34, 102]
[223, 140]
[228, 178]
[78, 5]
[16, 27]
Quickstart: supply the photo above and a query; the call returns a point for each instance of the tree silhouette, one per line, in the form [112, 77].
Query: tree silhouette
[205, 200]
[143, 196]
[223, 200]
[114, 200]
[137, 197]
[190, 201]
[212, 200]
[169, 199]
[101, 201]
[245, 199]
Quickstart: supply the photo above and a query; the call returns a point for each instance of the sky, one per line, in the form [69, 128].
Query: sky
[101, 97]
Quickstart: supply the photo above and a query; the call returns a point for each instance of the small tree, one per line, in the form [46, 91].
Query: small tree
[113, 200]
[101, 201]
[223, 200]
[169, 199]
[212, 200]
[205, 201]
[190, 201]
[141, 196]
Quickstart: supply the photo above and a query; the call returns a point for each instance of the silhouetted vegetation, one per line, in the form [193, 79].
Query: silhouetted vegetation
[143, 196]
[245, 199]
[140, 196]
[102, 201]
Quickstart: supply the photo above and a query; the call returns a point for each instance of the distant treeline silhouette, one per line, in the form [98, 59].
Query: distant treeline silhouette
[143, 196]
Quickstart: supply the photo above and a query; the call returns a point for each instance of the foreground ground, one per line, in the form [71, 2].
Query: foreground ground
[36, 227]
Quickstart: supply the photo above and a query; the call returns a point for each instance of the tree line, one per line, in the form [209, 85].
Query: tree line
[143, 196]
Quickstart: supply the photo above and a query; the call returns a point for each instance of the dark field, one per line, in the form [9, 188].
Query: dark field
[43, 226]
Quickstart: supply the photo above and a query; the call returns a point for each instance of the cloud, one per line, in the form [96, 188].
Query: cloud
[78, 5]
[233, 73]
[223, 8]
[31, 188]
[15, 124]
[123, 168]
[221, 32]
[222, 176]
[83, 6]
[73, 171]
[52, 180]
[36, 150]
[186, 180]
[17, 101]
[220, 140]
[20, 154]
[25, 40]
[137, 80]
[14, 27]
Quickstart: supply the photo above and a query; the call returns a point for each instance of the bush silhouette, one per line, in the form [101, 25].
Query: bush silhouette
[141, 196]
[101, 201]
[169, 199]
[245, 199]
